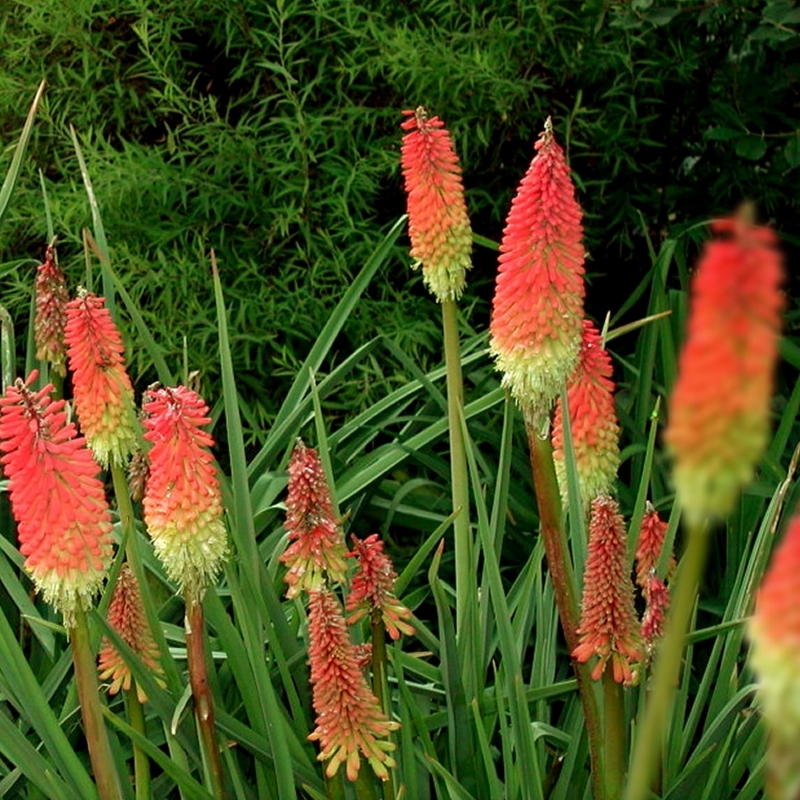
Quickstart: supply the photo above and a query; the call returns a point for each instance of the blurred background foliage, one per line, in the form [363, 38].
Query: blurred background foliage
[269, 132]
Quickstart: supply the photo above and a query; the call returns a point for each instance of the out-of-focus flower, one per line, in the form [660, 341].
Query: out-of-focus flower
[126, 615]
[138, 470]
[593, 421]
[52, 297]
[537, 315]
[350, 722]
[100, 384]
[719, 411]
[64, 524]
[609, 628]
[372, 589]
[438, 225]
[182, 502]
[317, 544]
[775, 632]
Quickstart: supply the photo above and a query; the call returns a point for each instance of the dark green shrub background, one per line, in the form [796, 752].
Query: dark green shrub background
[269, 131]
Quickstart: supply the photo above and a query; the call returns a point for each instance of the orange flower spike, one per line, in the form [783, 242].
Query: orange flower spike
[317, 544]
[593, 421]
[609, 628]
[657, 597]
[537, 314]
[64, 524]
[101, 386]
[51, 313]
[372, 589]
[775, 633]
[350, 722]
[719, 411]
[126, 615]
[438, 225]
[182, 501]
[652, 535]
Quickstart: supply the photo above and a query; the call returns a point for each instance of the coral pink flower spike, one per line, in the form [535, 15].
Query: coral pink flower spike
[438, 225]
[775, 633]
[593, 421]
[350, 722]
[372, 589]
[719, 410]
[317, 546]
[609, 628]
[51, 314]
[64, 524]
[182, 501]
[101, 386]
[537, 315]
[127, 616]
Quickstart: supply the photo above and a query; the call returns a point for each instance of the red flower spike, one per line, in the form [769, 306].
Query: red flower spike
[51, 313]
[317, 544]
[372, 589]
[182, 502]
[656, 595]
[101, 386]
[593, 421]
[350, 722]
[652, 535]
[537, 314]
[719, 411]
[438, 225]
[609, 628]
[775, 633]
[126, 615]
[64, 524]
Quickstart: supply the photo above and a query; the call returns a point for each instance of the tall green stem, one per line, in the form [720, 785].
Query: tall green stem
[564, 585]
[614, 736]
[380, 684]
[466, 634]
[105, 773]
[201, 692]
[141, 764]
[667, 666]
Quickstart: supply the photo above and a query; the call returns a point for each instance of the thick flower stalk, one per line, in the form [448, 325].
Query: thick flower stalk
[775, 633]
[438, 225]
[537, 314]
[101, 386]
[608, 628]
[719, 411]
[64, 524]
[127, 616]
[350, 723]
[182, 502]
[317, 546]
[52, 297]
[372, 589]
[593, 421]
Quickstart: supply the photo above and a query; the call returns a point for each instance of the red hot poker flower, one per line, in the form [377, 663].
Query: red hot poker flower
[350, 722]
[441, 236]
[126, 615]
[609, 628]
[317, 544]
[182, 501]
[51, 314]
[102, 388]
[775, 632]
[593, 421]
[64, 524]
[372, 590]
[719, 411]
[537, 314]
